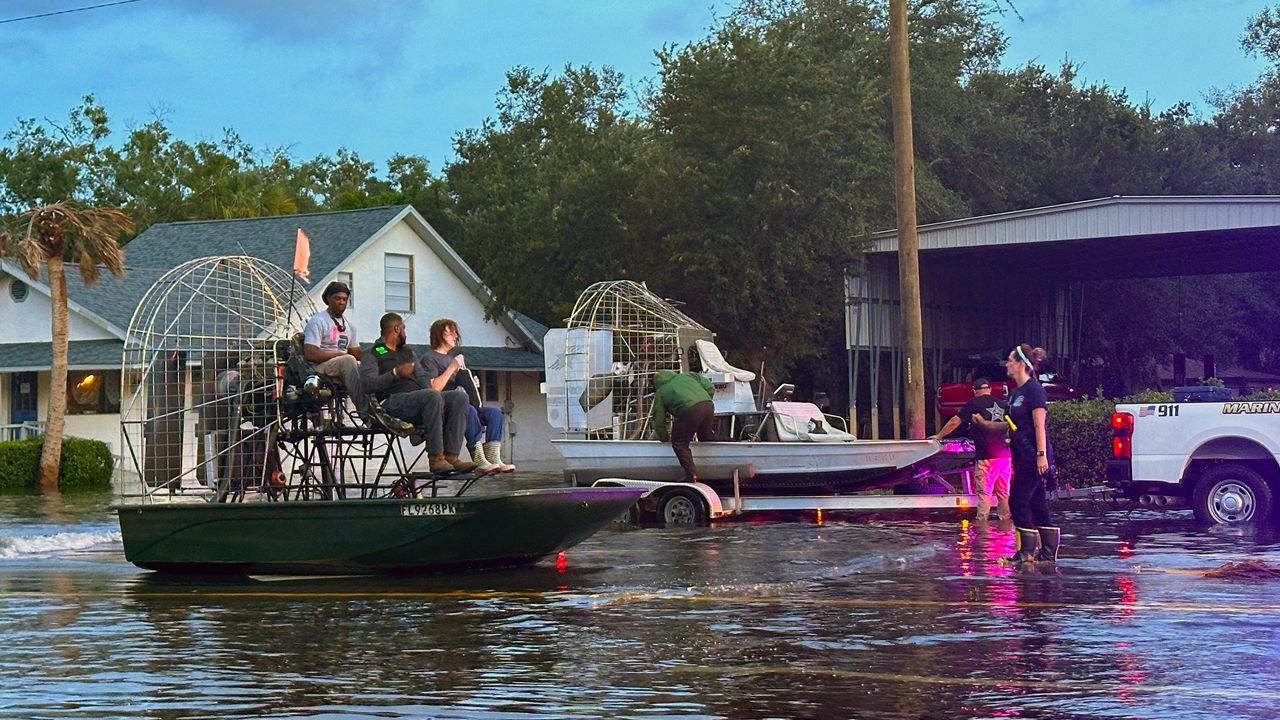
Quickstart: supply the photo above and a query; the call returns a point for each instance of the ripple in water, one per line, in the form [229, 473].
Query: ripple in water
[24, 546]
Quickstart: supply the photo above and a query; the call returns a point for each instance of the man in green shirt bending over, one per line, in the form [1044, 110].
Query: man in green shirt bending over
[686, 397]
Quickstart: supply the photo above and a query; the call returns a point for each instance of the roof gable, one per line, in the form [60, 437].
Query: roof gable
[109, 303]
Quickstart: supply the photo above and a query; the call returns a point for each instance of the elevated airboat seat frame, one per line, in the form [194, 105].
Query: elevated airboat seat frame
[733, 385]
[336, 452]
[713, 361]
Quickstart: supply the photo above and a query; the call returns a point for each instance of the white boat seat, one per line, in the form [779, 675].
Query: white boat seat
[713, 361]
[805, 422]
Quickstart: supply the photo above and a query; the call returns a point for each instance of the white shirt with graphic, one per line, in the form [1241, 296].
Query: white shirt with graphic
[330, 335]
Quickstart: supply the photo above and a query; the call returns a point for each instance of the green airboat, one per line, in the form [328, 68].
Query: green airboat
[235, 464]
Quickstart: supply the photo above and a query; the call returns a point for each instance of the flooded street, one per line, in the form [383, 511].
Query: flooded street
[857, 617]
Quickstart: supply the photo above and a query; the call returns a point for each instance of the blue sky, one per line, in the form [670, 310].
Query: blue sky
[383, 76]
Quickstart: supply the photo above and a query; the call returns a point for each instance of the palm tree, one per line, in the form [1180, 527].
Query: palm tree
[53, 234]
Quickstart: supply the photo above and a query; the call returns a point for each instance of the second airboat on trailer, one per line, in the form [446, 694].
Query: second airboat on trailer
[599, 387]
[237, 461]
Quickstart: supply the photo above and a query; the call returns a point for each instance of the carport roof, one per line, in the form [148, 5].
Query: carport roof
[1119, 235]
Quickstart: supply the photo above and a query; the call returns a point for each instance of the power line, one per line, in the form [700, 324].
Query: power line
[64, 12]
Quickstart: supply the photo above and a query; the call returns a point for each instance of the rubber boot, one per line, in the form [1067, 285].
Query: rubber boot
[483, 465]
[1028, 544]
[493, 451]
[1050, 538]
[458, 463]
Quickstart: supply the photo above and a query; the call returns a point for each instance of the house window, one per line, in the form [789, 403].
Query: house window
[489, 385]
[399, 282]
[93, 392]
[348, 279]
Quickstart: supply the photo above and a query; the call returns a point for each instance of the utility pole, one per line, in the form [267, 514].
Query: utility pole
[904, 166]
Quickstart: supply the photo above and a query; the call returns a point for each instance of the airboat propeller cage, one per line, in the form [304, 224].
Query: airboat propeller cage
[199, 373]
[600, 366]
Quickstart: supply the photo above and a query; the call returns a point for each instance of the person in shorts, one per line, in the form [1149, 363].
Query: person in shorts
[993, 466]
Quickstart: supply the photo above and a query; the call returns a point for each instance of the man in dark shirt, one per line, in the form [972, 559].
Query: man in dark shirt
[392, 373]
[982, 419]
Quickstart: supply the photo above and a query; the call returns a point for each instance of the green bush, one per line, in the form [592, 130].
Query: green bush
[19, 462]
[86, 464]
[1150, 397]
[1080, 432]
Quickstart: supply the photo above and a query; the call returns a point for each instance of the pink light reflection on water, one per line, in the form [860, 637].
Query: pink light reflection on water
[1000, 543]
[1128, 594]
[980, 548]
[966, 548]
[1006, 592]
[1125, 549]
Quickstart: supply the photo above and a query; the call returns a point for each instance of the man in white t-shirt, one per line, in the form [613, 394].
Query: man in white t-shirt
[329, 342]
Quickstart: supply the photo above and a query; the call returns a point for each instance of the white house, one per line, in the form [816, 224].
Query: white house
[392, 259]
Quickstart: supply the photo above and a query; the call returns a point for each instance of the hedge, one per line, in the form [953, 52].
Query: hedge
[86, 464]
[19, 461]
[1080, 432]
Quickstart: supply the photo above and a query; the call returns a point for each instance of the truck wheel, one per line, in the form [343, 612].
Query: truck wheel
[1232, 494]
[682, 507]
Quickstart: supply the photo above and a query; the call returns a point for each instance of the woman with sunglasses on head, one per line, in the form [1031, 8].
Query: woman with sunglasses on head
[1027, 416]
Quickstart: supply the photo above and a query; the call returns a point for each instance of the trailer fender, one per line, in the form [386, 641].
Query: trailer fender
[655, 488]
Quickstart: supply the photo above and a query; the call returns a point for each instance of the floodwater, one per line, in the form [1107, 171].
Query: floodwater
[856, 617]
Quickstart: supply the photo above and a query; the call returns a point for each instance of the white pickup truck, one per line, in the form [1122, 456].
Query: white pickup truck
[1221, 457]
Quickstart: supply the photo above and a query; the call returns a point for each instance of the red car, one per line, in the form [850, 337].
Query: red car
[952, 396]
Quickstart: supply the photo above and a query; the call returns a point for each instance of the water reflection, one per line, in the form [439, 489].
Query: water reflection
[843, 617]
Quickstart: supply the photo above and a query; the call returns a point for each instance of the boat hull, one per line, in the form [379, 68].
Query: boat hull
[367, 536]
[762, 467]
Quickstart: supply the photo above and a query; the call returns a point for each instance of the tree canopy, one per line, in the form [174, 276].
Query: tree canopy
[744, 177]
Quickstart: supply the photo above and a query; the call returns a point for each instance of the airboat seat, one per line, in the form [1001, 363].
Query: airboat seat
[804, 422]
[328, 392]
[733, 385]
[713, 361]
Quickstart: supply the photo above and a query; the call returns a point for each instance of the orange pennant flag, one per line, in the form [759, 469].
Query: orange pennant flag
[302, 256]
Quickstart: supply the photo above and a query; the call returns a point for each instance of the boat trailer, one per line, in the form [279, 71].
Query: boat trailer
[685, 503]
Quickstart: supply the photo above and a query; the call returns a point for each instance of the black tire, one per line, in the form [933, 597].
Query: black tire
[1232, 493]
[682, 507]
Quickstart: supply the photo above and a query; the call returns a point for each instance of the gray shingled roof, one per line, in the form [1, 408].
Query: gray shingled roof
[502, 358]
[113, 299]
[82, 355]
[536, 330]
[162, 247]
[334, 236]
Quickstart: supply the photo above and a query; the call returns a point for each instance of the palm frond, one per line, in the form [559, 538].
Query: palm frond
[89, 272]
[89, 235]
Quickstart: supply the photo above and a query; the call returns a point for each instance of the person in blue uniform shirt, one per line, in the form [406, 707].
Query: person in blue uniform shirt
[1038, 538]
